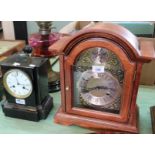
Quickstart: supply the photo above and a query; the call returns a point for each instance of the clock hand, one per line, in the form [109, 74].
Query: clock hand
[24, 84]
[26, 88]
[104, 87]
[89, 89]
[16, 80]
[100, 87]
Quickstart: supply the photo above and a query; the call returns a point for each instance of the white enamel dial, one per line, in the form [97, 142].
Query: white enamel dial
[17, 83]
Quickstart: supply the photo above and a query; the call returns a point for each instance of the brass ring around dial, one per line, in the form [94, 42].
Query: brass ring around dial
[98, 89]
[11, 92]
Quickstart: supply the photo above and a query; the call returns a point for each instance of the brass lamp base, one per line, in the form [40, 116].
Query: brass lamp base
[53, 79]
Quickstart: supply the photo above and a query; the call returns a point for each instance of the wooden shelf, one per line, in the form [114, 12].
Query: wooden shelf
[8, 47]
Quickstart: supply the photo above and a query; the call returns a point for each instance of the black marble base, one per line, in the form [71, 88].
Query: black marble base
[28, 112]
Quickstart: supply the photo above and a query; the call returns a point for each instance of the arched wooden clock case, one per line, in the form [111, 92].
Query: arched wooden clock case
[100, 72]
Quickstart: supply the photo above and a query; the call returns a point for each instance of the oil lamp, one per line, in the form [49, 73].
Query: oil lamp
[40, 42]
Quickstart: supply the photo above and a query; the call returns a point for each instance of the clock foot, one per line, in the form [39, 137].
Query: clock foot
[99, 126]
[28, 112]
[45, 108]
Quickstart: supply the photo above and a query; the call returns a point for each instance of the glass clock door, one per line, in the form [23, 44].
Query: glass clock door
[98, 80]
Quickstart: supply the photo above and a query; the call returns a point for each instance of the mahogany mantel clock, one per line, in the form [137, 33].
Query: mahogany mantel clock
[100, 72]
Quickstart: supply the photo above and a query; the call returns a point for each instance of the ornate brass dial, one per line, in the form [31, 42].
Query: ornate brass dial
[98, 89]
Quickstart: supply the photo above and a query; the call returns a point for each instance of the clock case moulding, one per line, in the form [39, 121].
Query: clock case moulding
[133, 53]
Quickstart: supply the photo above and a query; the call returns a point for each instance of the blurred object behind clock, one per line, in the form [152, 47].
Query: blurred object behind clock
[7, 48]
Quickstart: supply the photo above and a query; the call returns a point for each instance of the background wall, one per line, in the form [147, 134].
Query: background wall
[32, 26]
[8, 30]
[135, 27]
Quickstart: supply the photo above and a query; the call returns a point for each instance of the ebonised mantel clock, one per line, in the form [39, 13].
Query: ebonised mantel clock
[26, 86]
[100, 72]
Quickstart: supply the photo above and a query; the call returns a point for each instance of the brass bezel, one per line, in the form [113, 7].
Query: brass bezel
[8, 89]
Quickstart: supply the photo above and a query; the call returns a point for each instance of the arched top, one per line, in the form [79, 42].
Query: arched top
[118, 31]
[134, 47]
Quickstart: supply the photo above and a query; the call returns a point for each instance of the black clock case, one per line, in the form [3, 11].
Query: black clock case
[39, 103]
